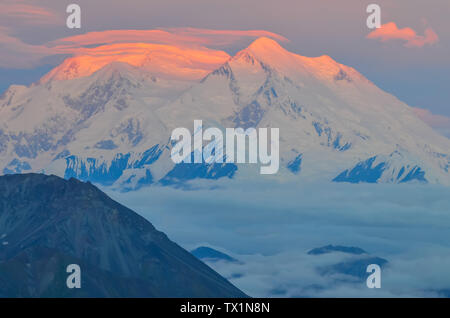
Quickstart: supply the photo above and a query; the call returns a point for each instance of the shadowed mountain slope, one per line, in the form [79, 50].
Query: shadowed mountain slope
[47, 223]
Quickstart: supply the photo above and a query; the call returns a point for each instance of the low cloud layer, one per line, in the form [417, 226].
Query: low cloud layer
[271, 226]
[391, 32]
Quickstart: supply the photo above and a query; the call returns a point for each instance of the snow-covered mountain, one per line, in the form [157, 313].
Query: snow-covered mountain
[109, 119]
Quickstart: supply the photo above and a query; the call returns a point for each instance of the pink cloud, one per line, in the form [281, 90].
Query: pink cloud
[28, 13]
[16, 53]
[226, 37]
[390, 32]
[175, 36]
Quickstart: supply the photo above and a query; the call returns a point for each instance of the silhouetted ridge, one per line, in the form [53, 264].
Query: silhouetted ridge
[47, 223]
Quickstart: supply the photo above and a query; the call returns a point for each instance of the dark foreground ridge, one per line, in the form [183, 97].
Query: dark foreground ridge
[47, 223]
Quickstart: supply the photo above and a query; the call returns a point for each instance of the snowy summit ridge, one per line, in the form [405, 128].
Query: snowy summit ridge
[107, 117]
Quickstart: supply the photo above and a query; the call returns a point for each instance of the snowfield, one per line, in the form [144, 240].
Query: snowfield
[108, 118]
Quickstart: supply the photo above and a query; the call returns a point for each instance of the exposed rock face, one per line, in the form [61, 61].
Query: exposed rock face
[47, 223]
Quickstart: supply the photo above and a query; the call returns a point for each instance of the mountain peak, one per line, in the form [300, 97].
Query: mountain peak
[167, 61]
[271, 53]
[117, 68]
[267, 49]
[265, 44]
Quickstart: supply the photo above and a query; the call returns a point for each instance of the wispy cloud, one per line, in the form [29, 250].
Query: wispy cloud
[16, 53]
[438, 122]
[28, 13]
[391, 32]
[16, 15]
[178, 36]
[226, 37]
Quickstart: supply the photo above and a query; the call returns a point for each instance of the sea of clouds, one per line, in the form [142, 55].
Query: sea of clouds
[270, 226]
